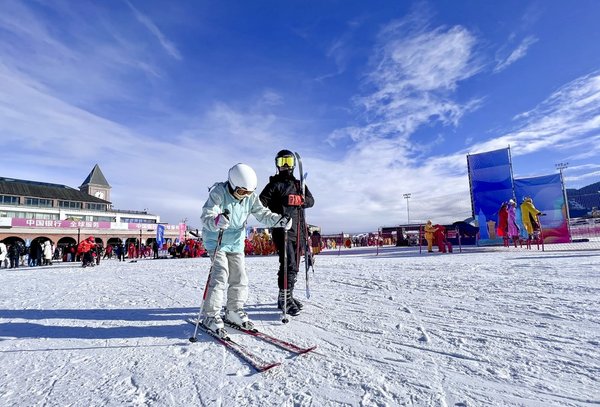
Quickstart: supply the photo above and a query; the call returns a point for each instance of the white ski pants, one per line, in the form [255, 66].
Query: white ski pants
[228, 269]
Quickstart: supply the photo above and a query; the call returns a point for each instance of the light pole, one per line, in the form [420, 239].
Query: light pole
[560, 167]
[184, 221]
[407, 197]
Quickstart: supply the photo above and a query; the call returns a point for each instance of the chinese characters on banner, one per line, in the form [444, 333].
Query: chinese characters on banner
[58, 224]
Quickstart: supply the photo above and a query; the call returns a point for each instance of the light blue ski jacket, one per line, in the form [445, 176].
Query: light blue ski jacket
[220, 199]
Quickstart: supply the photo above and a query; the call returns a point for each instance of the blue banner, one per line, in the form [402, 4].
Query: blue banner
[160, 236]
[490, 178]
[548, 197]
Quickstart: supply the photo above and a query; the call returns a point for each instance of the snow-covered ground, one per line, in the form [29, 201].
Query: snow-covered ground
[499, 327]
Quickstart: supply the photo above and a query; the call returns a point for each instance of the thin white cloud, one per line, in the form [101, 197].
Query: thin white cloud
[414, 74]
[584, 167]
[593, 176]
[168, 46]
[84, 62]
[270, 97]
[381, 168]
[170, 176]
[516, 54]
[568, 117]
[415, 71]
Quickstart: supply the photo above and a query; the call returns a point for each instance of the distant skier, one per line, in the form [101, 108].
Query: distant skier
[429, 234]
[47, 253]
[315, 242]
[441, 240]
[530, 216]
[513, 229]
[3, 255]
[85, 249]
[283, 195]
[237, 196]
[502, 229]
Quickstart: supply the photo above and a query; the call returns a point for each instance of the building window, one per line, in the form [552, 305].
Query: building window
[90, 218]
[137, 220]
[47, 203]
[9, 200]
[29, 215]
[69, 204]
[104, 219]
[96, 207]
[48, 216]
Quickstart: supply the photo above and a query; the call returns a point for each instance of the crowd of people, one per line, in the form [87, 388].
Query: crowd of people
[508, 228]
[38, 253]
[89, 252]
[188, 249]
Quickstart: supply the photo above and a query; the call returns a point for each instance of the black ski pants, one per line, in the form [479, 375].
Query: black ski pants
[292, 256]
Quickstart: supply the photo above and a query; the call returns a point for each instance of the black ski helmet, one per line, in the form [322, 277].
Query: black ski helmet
[284, 154]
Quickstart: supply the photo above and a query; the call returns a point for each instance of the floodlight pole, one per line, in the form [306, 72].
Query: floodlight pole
[560, 167]
[407, 197]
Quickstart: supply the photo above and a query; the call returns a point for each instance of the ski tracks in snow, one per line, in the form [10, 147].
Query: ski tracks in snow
[445, 330]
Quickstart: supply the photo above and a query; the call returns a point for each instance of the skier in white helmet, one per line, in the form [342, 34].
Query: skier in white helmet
[227, 209]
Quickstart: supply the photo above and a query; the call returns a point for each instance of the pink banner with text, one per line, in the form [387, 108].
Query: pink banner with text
[58, 224]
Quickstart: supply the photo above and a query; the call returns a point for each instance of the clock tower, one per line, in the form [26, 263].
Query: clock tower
[96, 185]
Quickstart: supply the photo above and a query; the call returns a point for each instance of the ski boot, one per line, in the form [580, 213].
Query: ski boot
[239, 317]
[298, 303]
[291, 307]
[216, 325]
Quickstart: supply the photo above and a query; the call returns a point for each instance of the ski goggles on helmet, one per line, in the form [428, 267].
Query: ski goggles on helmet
[242, 191]
[287, 160]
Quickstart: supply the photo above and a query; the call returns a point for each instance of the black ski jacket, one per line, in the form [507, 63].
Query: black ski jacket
[276, 197]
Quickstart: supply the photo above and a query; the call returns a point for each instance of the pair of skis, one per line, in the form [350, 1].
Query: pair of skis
[303, 228]
[255, 360]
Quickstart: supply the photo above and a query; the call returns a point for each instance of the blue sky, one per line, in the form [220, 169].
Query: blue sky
[381, 98]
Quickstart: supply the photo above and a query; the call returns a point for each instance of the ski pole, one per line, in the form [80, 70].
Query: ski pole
[212, 263]
[541, 232]
[284, 318]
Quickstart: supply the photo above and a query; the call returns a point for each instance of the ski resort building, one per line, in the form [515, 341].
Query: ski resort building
[32, 210]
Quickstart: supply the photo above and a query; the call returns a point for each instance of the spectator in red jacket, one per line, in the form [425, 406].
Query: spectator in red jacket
[85, 249]
[440, 239]
[131, 251]
[502, 229]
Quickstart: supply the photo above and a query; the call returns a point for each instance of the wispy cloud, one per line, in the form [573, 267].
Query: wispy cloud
[169, 47]
[143, 171]
[415, 70]
[414, 73]
[341, 50]
[593, 176]
[578, 173]
[409, 71]
[516, 54]
[567, 118]
[82, 61]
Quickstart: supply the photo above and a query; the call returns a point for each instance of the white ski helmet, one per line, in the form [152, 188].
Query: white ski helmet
[242, 176]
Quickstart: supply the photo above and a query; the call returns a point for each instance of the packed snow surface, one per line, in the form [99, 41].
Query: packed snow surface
[498, 327]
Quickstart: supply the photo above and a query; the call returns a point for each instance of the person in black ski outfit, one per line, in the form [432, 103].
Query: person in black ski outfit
[283, 195]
